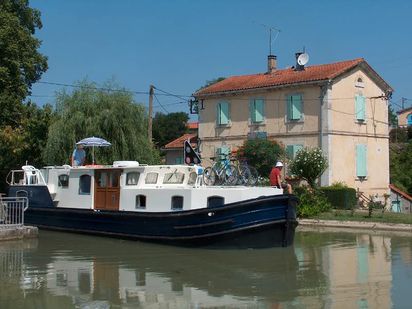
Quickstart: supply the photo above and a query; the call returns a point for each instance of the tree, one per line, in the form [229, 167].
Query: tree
[211, 82]
[168, 127]
[309, 164]
[261, 153]
[112, 115]
[20, 62]
[392, 118]
[401, 166]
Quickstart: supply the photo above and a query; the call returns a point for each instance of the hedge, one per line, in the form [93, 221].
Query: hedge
[340, 198]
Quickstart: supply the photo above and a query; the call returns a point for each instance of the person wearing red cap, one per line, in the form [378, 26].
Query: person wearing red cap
[275, 178]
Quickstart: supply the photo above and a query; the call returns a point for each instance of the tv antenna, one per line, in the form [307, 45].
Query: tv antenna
[271, 30]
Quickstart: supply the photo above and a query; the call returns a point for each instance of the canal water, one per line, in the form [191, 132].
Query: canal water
[325, 268]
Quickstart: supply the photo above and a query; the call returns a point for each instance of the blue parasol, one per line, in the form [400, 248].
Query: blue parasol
[93, 142]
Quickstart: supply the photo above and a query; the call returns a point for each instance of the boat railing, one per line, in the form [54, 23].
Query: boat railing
[12, 211]
[28, 175]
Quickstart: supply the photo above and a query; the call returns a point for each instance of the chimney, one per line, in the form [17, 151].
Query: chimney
[298, 66]
[271, 64]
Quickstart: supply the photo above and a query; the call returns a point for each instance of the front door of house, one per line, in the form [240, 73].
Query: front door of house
[107, 189]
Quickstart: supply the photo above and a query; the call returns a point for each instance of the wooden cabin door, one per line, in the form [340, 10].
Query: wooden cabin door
[107, 189]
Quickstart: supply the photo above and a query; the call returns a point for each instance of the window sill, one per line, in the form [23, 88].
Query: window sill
[361, 122]
[222, 126]
[291, 121]
[257, 124]
[361, 179]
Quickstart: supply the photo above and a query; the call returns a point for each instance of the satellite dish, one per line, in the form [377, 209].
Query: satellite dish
[303, 59]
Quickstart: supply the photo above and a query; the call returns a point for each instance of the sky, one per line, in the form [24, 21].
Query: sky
[178, 46]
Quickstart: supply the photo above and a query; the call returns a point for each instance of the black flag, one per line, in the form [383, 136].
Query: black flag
[190, 155]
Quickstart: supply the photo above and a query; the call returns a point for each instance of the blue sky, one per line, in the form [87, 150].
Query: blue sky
[178, 45]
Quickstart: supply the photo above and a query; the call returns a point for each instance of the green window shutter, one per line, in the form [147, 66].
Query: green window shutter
[259, 112]
[221, 151]
[294, 107]
[292, 150]
[223, 113]
[289, 151]
[296, 148]
[361, 161]
[360, 107]
[252, 111]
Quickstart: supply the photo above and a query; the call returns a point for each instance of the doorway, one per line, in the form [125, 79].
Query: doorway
[107, 189]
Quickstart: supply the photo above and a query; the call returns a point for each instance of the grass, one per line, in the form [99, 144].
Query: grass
[362, 215]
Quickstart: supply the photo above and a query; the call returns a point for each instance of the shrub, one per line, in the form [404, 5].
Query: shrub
[261, 153]
[311, 202]
[340, 197]
[309, 164]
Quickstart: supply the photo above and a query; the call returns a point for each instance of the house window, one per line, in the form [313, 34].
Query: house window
[361, 161]
[84, 184]
[256, 108]
[151, 178]
[294, 107]
[292, 150]
[63, 181]
[359, 83]
[215, 201]
[409, 120]
[140, 201]
[132, 178]
[223, 116]
[177, 202]
[360, 107]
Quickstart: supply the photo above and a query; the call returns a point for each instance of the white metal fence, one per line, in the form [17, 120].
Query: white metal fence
[12, 211]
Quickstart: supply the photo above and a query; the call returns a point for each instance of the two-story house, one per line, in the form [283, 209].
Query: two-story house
[340, 107]
[405, 117]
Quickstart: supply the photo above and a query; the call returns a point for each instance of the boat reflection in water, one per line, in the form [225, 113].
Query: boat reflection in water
[82, 270]
[332, 269]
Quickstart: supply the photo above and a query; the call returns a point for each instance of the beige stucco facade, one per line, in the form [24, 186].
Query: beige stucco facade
[403, 116]
[329, 121]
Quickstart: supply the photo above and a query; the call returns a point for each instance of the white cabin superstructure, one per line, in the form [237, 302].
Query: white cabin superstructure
[129, 186]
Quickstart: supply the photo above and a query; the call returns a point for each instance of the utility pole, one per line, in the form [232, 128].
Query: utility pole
[149, 129]
[403, 100]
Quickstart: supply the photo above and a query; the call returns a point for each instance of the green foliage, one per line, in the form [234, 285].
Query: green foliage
[167, 128]
[211, 82]
[392, 118]
[112, 115]
[261, 153]
[340, 197]
[312, 202]
[401, 166]
[20, 62]
[309, 164]
[400, 135]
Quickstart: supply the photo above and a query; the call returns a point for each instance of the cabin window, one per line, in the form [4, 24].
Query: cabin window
[84, 184]
[177, 202]
[84, 281]
[192, 178]
[173, 178]
[151, 178]
[63, 181]
[140, 201]
[215, 201]
[132, 178]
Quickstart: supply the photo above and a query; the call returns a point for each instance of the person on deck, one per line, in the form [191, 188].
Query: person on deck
[79, 156]
[275, 178]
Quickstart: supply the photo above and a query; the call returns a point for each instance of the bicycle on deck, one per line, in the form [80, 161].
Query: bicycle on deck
[222, 172]
[247, 174]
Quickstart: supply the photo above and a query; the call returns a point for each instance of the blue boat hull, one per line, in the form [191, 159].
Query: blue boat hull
[257, 223]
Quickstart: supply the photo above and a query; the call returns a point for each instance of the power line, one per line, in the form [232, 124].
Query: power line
[160, 104]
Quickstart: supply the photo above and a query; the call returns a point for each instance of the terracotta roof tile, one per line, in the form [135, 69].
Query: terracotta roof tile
[281, 77]
[178, 142]
[192, 125]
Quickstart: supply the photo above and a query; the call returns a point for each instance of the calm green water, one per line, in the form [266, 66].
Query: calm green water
[324, 269]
